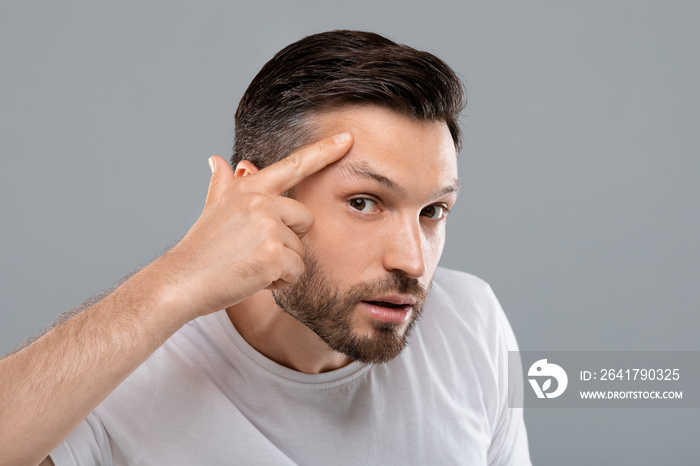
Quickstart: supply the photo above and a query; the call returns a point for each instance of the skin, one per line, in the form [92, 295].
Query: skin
[393, 232]
[248, 241]
[247, 238]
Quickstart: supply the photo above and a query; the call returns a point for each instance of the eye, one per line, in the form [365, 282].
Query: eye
[435, 212]
[363, 204]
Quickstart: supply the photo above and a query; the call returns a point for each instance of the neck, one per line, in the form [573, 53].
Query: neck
[281, 338]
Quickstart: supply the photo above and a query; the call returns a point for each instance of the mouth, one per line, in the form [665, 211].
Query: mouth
[390, 309]
[386, 304]
[392, 301]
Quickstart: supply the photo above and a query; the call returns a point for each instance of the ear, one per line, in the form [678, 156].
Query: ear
[244, 168]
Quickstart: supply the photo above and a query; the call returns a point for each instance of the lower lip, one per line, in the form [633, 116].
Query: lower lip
[387, 315]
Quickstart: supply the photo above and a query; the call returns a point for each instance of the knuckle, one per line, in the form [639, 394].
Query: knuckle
[303, 216]
[267, 226]
[322, 146]
[309, 218]
[293, 162]
[291, 266]
[292, 277]
[305, 212]
[298, 268]
[301, 266]
[256, 201]
[291, 273]
[270, 248]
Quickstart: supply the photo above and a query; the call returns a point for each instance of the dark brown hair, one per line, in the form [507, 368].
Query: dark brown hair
[331, 69]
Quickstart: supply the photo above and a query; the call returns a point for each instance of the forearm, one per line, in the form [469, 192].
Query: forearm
[248, 238]
[49, 387]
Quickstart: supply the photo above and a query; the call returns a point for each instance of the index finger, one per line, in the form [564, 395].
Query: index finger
[285, 174]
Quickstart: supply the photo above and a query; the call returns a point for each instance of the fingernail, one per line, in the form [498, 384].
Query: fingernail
[211, 164]
[341, 138]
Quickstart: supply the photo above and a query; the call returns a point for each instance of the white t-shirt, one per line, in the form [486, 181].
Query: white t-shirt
[207, 397]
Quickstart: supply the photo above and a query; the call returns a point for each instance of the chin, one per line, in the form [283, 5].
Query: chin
[384, 343]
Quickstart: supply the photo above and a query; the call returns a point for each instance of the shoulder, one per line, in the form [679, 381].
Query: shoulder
[464, 330]
[460, 287]
[468, 302]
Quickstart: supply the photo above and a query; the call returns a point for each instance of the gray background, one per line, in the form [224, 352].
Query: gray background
[580, 168]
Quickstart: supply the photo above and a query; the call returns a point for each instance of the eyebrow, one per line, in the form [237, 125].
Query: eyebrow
[364, 170]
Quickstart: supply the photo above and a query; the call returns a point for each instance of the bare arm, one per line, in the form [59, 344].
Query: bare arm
[50, 386]
[247, 239]
[88, 303]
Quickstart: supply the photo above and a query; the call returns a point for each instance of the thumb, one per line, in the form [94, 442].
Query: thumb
[221, 177]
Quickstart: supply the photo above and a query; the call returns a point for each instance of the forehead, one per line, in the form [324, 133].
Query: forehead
[415, 153]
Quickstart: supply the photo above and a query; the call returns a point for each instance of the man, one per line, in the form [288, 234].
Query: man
[282, 329]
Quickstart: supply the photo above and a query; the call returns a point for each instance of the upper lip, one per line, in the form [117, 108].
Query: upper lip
[395, 299]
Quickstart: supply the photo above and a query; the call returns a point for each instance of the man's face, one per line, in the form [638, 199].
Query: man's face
[378, 234]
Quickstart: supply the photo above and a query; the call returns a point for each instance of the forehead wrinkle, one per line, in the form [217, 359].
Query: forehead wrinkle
[451, 189]
[363, 170]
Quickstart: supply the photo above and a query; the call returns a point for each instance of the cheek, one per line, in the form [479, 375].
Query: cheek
[434, 243]
[345, 246]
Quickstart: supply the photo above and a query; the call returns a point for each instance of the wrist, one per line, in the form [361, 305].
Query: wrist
[174, 290]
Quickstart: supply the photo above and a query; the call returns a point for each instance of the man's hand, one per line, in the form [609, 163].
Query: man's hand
[249, 236]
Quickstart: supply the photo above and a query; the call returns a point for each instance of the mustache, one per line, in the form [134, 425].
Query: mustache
[395, 282]
[312, 281]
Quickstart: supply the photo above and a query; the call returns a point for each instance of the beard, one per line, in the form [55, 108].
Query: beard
[318, 303]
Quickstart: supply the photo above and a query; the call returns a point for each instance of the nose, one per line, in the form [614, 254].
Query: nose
[404, 248]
